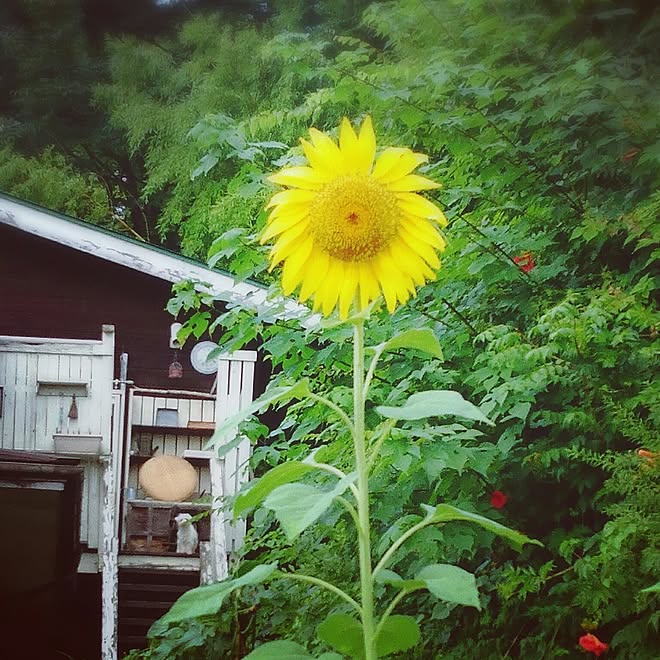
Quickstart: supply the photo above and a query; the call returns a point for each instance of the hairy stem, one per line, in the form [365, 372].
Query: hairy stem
[324, 585]
[398, 543]
[359, 442]
[333, 406]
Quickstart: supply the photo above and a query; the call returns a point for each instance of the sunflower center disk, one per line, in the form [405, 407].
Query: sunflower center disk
[354, 218]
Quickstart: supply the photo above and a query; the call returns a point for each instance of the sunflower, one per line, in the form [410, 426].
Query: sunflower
[350, 226]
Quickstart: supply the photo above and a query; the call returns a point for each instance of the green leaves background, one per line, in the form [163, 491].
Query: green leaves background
[540, 119]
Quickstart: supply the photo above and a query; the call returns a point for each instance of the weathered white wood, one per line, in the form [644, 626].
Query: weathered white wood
[239, 356]
[37, 376]
[235, 389]
[89, 563]
[218, 535]
[109, 565]
[162, 562]
[117, 444]
[195, 411]
[51, 345]
[207, 574]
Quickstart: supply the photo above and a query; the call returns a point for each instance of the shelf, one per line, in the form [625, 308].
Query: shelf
[173, 430]
[77, 444]
[160, 504]
[62, 388]
[196, 462]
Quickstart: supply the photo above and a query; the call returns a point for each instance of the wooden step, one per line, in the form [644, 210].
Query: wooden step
[144, 596]
[157, 588]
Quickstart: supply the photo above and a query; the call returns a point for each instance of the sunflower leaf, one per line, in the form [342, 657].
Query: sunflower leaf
[260, 489]
[434, 403]
[206, 600]
[446, 513]
[281, 649]
[421, 339]
[297, 506]
[272, 396]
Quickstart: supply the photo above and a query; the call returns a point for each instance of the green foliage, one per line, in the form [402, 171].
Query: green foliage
[541, 122]
[49, 180]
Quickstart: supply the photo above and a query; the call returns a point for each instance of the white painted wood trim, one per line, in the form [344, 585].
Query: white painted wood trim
[218, 570]
[159, 562]
[109, 563]
[242, 356]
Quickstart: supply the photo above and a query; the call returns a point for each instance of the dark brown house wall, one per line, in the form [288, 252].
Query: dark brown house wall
[48, 290]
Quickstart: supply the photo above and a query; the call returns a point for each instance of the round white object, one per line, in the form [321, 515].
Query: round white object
[168, 478]
[199, 357]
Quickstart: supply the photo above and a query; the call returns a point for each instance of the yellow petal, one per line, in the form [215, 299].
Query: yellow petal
[387, 275]
[420, 206]
[287, 243]
[394, 164]
[316, 271]
[410, 261]
[348, 288]
[293, 269]
[367, 146]
[368, 284]
[328, 164]
[411, 183]
[299, 177]
[277, 224]
[348, 144]
[387, 160]
[420, 247]
[424, 231]
[327, 294]
[347, 136]
[291, 197]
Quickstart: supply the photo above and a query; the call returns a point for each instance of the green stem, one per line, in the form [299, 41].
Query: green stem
[364, 540]
[390, 608]
[325, 585]
[398, 543]
[351, 509]
[333, 406]
[378, 443]
[371, 371]
[331, 469]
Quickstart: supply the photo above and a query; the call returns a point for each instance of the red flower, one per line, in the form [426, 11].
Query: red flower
[498, 499]
[525, 262]
[647, 455]
[592, 644]
[633, 152]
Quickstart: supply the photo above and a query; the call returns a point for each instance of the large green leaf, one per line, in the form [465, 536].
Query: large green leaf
[343, 633]
[421, 339]
[297, 506]
[279, 650]
[446, 513]
[270, 397]
[450, 583]
[434, 403]
[260, 489]
[208, 599]
[444, 581]
[399, 633]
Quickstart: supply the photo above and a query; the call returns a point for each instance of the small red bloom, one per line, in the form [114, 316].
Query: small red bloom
[633, 152]
[592, 644]
[647, 455]
[525, 262]
[498, 499]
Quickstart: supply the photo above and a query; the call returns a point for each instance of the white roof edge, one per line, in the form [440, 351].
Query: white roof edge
[143, 258]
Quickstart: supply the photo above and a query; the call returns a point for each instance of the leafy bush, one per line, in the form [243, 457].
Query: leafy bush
[541, 121]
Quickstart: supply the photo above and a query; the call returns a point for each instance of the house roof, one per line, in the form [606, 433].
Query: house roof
[143, 257]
